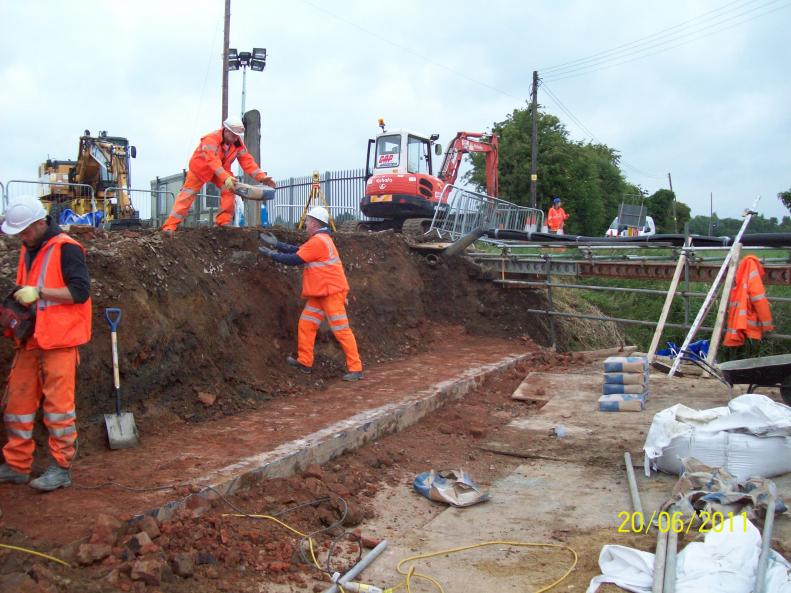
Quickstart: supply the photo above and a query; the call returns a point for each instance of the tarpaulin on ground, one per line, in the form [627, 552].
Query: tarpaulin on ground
[704, 490]
[747, 438]
[725, 561]
[454, 487]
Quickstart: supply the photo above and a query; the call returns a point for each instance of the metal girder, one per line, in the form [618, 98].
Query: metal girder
[515, 266]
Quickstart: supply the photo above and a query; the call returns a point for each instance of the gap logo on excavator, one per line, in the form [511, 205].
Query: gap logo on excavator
[401, 188]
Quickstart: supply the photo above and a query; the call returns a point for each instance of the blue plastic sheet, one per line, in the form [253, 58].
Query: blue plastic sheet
[68, 216]
[699, 349]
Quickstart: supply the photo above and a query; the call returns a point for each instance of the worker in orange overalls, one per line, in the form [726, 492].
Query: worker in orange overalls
[53, 280]
[324, 285]
[212, 161]
[749, 314]
[556, 217]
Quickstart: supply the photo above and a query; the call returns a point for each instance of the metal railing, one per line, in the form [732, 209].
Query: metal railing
[83, 190]
[462, 210]
[342, 190]
[152, 193]
[686, 294]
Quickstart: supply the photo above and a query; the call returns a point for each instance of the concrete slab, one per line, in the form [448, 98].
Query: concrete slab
[572, 490]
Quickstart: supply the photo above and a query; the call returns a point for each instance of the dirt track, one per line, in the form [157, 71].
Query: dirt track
[203, 314]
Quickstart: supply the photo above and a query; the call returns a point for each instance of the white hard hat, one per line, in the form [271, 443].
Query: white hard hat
[234, 124]
[21, 213]
[320, 213]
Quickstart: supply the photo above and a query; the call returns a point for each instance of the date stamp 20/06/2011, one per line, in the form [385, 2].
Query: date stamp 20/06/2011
[665, 522]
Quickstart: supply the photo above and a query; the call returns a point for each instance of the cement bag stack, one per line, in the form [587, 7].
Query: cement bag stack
[625, 386]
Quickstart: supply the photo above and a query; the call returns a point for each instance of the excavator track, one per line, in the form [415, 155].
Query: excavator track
[415, 229]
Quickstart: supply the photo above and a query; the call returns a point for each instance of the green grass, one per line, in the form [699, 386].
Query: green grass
[649, 307]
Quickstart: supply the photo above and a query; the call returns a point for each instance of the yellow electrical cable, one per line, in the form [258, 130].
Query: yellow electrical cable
[34, 553]
[413, 573]
[292, 530]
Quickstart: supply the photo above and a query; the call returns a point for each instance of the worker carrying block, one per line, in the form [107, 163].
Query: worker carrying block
[324, 285]
[212, 161]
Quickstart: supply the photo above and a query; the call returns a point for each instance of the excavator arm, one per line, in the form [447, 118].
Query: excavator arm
[469, 142]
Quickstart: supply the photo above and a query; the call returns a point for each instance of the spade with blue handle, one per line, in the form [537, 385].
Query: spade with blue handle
[121, 428]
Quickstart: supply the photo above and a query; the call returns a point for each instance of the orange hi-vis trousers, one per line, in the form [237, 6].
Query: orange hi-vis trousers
[334, 307]
[189, 191]
[41, 374]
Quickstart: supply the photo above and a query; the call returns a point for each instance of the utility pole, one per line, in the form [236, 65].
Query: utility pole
[711, 211]
[675, 222]
[226, 43]
[534, 142]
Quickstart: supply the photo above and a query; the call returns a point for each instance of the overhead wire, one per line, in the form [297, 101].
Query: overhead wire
[671, 42]
[638, 41]
[582, 126]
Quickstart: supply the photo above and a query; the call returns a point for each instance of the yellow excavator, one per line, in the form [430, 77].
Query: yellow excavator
[102, 167]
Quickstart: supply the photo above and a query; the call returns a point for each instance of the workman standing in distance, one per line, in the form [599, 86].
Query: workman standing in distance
[212, 161]
[54, 281]
[324, 285]
[556, 217]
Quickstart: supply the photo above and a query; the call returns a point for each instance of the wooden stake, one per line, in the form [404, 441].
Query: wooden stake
[722, 312]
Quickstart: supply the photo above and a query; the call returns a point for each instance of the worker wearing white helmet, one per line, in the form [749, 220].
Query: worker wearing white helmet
[325, 287]
[211, 162]
[53, 281]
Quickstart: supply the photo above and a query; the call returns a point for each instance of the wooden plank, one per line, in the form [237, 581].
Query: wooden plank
[671, 292]
[722, 312]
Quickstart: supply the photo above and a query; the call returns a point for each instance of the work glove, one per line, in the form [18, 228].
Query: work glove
[268, 239]
[230, 182]
[27, 295]
[267, 180]
[266, 251]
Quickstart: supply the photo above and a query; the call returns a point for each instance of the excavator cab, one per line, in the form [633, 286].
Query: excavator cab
[400, 152]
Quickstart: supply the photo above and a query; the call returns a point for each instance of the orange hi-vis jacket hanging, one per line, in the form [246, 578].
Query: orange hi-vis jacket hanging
[749, 314]
[58, 325]
[323, 274]
[210, 160]
[555, 218]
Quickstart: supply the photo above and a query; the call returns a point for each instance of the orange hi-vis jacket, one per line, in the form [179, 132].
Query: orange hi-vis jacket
[749, 314]
[323, 274]
[212, 159]
[58, 325]
[555, 218]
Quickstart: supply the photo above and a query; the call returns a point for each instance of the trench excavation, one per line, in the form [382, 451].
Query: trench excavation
[206, 328]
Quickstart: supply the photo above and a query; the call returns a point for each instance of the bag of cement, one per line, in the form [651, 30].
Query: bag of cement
[626, 364]
[261, 193]
[616, 388]
[621, 403]
[750, 437]
[454, 487]
[626, 378]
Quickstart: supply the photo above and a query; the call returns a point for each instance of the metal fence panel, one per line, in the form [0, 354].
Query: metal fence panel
[20, 187]
[462, 210]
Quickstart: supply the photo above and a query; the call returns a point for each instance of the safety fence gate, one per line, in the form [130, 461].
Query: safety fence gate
[461, 211]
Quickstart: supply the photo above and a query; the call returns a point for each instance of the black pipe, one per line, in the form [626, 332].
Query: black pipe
[753, 240]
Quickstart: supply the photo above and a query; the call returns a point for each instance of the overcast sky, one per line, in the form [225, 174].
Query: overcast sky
[697, 88]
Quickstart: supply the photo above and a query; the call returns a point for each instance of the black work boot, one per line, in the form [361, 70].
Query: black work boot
[298, 365]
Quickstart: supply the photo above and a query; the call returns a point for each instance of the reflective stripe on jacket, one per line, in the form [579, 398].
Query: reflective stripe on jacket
[749, 314]
[323, 274]
[58, 325]
[212, 159]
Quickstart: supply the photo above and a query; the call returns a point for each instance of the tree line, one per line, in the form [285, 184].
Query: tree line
[588, 178]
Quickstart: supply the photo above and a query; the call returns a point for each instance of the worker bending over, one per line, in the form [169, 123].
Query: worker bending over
[212, 161]
[324, 285]
[53, 280]
[556, 217]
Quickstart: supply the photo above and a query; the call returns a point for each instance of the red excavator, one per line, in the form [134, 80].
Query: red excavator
[401, 187]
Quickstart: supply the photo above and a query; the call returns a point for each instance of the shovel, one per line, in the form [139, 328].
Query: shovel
[121, 428]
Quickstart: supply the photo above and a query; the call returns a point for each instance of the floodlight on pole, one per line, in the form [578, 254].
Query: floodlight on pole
[255, 60]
